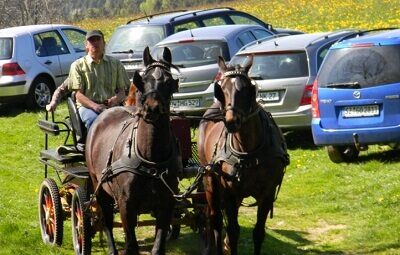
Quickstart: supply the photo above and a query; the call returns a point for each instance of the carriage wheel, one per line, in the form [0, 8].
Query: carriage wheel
[50, 213]
[80, 221]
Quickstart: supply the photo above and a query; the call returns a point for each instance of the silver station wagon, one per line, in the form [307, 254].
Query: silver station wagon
[35, 59]
[195, 52]
[285, 69]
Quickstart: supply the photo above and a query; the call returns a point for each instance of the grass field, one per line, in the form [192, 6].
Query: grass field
[323, 208]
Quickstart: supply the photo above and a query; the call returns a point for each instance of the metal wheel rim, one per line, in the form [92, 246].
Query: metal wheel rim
[42, 94]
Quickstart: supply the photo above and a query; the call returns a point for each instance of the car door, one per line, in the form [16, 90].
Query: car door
[75, 41]
[48, 46]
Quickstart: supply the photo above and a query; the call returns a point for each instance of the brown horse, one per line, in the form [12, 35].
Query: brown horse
[247, 155]
[133, 157]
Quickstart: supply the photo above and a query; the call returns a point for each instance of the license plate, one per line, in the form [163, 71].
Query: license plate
[133, 65]
[361, 111]
[270, 96]
[193, 102]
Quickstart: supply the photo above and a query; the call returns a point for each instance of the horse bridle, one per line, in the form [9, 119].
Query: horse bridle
[244, 115]
[167, 68]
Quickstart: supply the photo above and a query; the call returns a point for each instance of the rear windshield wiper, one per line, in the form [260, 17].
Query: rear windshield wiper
[123, 51]
[351, 85]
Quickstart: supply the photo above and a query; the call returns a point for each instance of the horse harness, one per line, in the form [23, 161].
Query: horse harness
[242, 160]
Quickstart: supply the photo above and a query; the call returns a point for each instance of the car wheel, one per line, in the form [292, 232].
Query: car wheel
[40, 93]
[338, 154]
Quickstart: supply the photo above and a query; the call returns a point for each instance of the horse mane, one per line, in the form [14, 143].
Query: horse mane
[131, 98]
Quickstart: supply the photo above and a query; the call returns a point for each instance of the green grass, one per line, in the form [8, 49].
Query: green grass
[323, 208]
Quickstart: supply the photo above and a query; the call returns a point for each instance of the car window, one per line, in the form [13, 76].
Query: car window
[245, 38]
[367, 66]
[76, 38]
[322, 53]
[195, 53]
[6, 46]
[134, 38]
[49, 44]
[240, 19]
[185, 26]
[276, 66]
[215, 21]
[259, 33]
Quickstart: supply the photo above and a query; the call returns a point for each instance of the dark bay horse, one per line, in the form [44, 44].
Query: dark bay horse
[247, 154]
[133, 157]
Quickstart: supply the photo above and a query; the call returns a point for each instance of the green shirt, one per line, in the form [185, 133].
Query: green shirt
[98, 81]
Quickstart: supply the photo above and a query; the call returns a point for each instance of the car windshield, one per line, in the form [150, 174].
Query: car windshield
[361, 67]
[195, 53]
[6, 46]
[131, 39]
[275, 66]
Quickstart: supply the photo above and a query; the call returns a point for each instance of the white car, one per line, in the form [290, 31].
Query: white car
[35, 59]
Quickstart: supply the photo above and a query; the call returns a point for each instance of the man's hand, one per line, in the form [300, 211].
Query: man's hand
[51, 107]
[99, 108]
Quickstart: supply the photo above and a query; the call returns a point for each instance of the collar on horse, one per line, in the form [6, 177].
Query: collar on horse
[242, 160]
[134, 163]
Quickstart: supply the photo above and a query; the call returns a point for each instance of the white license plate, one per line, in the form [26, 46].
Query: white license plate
[270, 96]
[361, 111]
[132, 65]
[193, 102]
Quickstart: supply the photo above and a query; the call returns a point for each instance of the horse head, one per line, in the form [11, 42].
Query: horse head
[156, 85]
[237, 94]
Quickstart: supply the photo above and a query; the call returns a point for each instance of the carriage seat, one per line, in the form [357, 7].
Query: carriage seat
[78, 128]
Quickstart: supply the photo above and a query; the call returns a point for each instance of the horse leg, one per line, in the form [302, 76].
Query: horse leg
[233, 228]
[128, 213]
[163, 221]
[213, 235]
[106, 203]
[259, 230]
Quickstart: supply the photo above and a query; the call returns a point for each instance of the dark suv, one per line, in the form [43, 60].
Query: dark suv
[128, 41]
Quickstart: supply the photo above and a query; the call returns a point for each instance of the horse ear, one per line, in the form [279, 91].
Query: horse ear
[248, 64]
[219, 94]
[137, 80]
[147, 58]
[167, 55]
[221, 64]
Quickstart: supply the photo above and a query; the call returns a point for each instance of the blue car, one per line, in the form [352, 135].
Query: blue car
[356, 96]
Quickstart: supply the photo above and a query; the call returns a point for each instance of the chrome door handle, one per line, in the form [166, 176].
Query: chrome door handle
[48, 62]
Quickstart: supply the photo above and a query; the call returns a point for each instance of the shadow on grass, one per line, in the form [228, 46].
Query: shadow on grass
[389, 156]
[300, 139]
[12, 110]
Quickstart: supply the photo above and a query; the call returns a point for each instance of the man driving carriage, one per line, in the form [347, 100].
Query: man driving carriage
[100, 81]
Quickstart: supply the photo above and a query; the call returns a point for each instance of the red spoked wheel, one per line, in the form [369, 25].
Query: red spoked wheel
[81, 223]
[50, 213]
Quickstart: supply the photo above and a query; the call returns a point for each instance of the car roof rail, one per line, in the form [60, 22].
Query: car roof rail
[333, 33]
[194, 13]
[362, 32]
[153, 15]
[264, 39]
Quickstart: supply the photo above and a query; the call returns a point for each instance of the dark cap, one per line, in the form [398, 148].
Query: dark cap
[92, 33]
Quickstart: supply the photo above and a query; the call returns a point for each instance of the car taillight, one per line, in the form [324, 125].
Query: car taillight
[314, 100]
[12, 69]
[306, 98]
[218, 76]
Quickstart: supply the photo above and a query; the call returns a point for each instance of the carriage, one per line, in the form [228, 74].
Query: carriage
[64, 192]
[149, 152]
